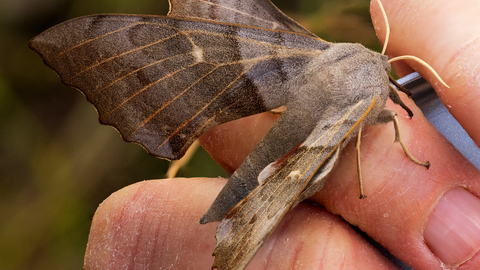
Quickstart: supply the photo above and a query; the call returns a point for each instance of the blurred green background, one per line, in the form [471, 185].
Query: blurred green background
[56, 162]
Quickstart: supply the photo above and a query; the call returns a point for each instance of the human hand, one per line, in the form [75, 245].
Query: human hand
[154, 224]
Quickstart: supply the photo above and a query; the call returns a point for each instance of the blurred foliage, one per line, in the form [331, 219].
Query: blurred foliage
[56, 162]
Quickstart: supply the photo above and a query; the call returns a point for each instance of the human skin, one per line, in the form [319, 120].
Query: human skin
[424, 217]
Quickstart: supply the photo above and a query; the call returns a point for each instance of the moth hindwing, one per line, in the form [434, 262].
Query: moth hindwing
[246, 227]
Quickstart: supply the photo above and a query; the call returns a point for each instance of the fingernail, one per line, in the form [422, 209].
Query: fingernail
[453, 229]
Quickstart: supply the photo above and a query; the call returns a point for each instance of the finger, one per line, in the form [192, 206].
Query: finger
[309, 237]
[445, 34]
[154, 225]
[407, 206]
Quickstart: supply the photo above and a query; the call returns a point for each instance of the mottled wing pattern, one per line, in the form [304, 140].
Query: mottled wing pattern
[249, 223]
[257, 13]
[161, 82]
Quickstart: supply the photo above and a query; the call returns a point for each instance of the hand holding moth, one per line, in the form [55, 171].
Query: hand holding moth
[164, 149]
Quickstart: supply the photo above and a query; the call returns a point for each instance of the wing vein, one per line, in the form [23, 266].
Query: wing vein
[170, 101]
[200, 129]
[147, 87]
[120, 55]
[201, 110]
[135, 71]
[93, 39]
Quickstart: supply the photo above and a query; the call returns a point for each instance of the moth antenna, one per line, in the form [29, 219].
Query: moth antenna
[387, 26]
[411, 57]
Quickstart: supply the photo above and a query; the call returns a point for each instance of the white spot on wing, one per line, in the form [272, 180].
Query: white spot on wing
[198, 54]
[294, 174]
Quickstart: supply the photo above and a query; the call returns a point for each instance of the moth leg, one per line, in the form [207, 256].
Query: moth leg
[177, 164]
[398, 137]
[393, 95]
[400, 87]
[387, 116]
[359, 167]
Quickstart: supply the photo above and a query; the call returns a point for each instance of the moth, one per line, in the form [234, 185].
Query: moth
[163, 81]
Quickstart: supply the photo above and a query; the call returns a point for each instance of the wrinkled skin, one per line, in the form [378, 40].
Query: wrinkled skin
[154, 224]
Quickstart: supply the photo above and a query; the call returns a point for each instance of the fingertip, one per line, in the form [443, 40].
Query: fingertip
[148, 224]
[453, 229]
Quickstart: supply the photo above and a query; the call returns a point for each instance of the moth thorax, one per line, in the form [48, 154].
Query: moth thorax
[346, 73]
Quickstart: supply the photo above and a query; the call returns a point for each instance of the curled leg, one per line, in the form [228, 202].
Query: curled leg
[387, 116]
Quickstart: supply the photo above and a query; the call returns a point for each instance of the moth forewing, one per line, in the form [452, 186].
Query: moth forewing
[246, 227]
[162, 82]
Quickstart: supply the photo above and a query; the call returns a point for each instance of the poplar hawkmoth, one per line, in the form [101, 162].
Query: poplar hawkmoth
[163, 81]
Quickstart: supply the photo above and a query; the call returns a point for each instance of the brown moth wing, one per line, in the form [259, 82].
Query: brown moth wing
[257, 13]
[247, 226]
[161, 82]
